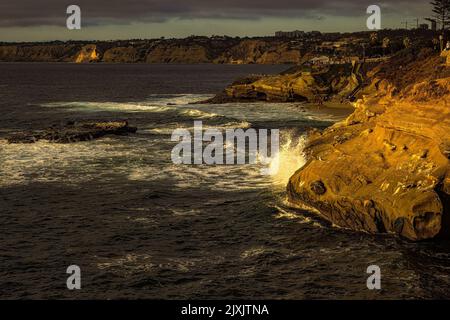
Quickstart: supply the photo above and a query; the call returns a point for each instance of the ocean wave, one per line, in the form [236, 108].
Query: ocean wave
[77, 163]
[177, 99]
[169, 128]
[107, 106]
[155, 103]
[198, 114]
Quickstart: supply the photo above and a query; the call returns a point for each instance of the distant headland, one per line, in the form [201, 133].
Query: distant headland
[294, 47]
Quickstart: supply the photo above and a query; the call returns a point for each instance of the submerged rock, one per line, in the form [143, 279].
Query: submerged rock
[74, 132]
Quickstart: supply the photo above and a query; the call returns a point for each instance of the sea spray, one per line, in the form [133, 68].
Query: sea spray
[289, 159]
[230, 146]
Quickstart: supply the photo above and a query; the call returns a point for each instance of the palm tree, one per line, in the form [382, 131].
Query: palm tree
[441, 9]
[386, 45]
[407, 42]
[373, 39]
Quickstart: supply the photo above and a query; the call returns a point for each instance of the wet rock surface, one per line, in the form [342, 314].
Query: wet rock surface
[74, 131]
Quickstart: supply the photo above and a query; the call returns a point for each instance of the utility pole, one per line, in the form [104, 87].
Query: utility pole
[406, 24]
[417, 23]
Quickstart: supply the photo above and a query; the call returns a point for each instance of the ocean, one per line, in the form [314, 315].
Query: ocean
[140, 226]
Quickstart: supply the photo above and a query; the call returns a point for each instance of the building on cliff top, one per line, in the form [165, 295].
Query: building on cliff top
[290, 34]
[318, 61]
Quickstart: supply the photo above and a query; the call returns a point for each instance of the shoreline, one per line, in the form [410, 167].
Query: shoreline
[385, 168]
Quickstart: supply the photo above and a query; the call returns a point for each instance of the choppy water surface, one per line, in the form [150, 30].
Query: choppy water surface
[141, 227]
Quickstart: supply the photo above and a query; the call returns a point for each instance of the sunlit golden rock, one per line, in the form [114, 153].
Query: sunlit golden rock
[88, 53]
[385, 168]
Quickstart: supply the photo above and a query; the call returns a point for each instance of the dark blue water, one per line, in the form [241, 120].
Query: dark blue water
[140, 226]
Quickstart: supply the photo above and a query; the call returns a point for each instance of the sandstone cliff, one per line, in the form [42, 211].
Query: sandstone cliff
[49, 53]
[189, 50]
[386, 167]
[173, 53]
[260, 52]
[120, 55]
[87, 53]
[39, 53]
[218, 49]
[335, 82]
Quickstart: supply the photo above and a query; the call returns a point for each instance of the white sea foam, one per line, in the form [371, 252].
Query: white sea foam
[253, 252]
[107, 106]
[143, 161]
[155, 103]
[169, 128]
[178, 99]
[289, 159]
[181, 104]
[76, 163]
[198, 114]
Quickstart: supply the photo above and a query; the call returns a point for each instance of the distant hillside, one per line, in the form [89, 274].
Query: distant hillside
[262, 50]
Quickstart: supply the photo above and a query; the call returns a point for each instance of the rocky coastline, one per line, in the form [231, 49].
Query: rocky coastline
[386, 169]
[188, 51]
[214, 49]
[332, 84]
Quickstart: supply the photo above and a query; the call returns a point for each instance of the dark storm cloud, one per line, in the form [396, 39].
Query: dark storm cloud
[52, 12]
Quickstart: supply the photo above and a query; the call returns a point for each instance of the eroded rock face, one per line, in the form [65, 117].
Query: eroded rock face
[88, 53]
[39, 53]
[74, 132]
[386, 167]
[335, 82]
[120, 55]
[260, 52]
[189, 50]
[172, 53]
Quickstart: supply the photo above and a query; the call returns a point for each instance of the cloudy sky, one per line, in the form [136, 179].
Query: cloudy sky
[37, 20]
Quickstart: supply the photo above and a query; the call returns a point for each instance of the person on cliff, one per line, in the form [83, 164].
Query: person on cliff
[318, 101]
[435, 42]
[291, 94]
